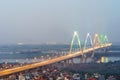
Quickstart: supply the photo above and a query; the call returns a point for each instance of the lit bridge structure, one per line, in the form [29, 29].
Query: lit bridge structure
[98, 42]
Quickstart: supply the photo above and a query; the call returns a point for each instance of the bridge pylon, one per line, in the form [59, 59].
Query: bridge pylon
[72, 42]
[71, 61]
[84, 58]
[81, 60]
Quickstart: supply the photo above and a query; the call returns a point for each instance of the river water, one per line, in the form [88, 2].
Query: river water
[32, 53]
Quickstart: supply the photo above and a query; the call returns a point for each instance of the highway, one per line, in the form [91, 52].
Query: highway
[49, 61]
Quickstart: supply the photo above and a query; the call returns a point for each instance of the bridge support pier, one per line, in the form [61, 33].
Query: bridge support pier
[104, 50]
[81, 59]
[85, 59]
[92, 58]
[71, 61]
[65, 62]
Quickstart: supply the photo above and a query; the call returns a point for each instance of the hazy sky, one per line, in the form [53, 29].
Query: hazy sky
[40, 21]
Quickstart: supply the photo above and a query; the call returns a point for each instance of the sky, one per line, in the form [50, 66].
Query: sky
[54, 21]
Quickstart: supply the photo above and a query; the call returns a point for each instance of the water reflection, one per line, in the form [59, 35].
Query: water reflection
[103, 59]
[109, 59]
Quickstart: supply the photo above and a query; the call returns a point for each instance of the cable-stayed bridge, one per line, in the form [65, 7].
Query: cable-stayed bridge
[98, 42]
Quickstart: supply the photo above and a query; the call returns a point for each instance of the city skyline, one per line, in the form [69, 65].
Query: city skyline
[37, 22]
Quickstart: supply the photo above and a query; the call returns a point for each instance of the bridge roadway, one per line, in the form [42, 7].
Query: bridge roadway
[49, 61]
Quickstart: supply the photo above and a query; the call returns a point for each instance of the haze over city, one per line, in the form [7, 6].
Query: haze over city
[49, 21]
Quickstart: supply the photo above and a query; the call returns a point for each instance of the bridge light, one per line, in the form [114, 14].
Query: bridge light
[96, 35]
[75, 33]
[105, 36]
[88, 34]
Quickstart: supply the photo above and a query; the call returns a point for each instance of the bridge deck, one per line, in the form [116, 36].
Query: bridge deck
[49, 61]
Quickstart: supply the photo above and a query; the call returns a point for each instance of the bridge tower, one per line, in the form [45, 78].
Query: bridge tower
[75, 35]
[96, 42]
[105, 42]
[72, 42]
[86, 45]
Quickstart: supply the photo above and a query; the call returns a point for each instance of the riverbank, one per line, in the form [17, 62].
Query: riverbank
[102, 68]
